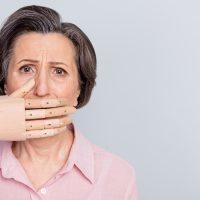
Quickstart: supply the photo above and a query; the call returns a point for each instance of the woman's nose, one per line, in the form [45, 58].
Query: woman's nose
[42, 85]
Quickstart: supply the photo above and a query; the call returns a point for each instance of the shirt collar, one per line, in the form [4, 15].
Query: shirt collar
[9, 165]
[82, 155]
[5, 155]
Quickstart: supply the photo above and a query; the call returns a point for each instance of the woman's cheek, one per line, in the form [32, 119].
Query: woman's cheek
[66, 90]
[15, 82]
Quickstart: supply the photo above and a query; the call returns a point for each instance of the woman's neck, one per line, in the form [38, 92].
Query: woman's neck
[43, 158]
[45, 150]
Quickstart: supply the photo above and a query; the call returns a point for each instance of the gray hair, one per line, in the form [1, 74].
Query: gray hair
[46, 20]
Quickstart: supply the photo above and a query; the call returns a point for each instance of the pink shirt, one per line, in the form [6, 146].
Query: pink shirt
[90, 173]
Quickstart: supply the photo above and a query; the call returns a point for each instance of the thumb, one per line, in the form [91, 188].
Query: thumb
[24, 89]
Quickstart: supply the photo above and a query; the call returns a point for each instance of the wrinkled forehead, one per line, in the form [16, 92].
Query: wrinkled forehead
[49, 46]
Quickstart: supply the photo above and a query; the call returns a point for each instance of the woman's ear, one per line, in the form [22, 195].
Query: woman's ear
[5, 88]
[75, 103]
[76, 100]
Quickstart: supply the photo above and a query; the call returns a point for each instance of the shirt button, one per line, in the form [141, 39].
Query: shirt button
[43, 191]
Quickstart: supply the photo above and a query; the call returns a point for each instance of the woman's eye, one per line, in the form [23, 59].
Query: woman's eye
[26, 69]
[59, 71]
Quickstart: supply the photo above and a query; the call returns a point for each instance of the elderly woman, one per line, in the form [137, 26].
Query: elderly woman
[47, 71]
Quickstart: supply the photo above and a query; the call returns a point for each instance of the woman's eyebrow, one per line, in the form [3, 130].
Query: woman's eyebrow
[28, 60]
[57, 63]
[36, 61]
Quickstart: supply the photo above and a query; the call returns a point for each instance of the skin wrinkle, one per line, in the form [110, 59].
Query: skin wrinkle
[72, 69]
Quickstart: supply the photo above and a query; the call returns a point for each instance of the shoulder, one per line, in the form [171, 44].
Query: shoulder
[113, 161]
[115, 167]
[117, 174]
[106, 162]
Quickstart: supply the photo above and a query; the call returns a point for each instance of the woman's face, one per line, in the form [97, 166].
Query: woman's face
[50, 60]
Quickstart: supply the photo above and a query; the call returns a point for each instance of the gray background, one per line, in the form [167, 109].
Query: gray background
[145, 106]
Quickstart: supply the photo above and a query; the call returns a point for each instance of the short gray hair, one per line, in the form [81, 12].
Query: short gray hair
[46, 20]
